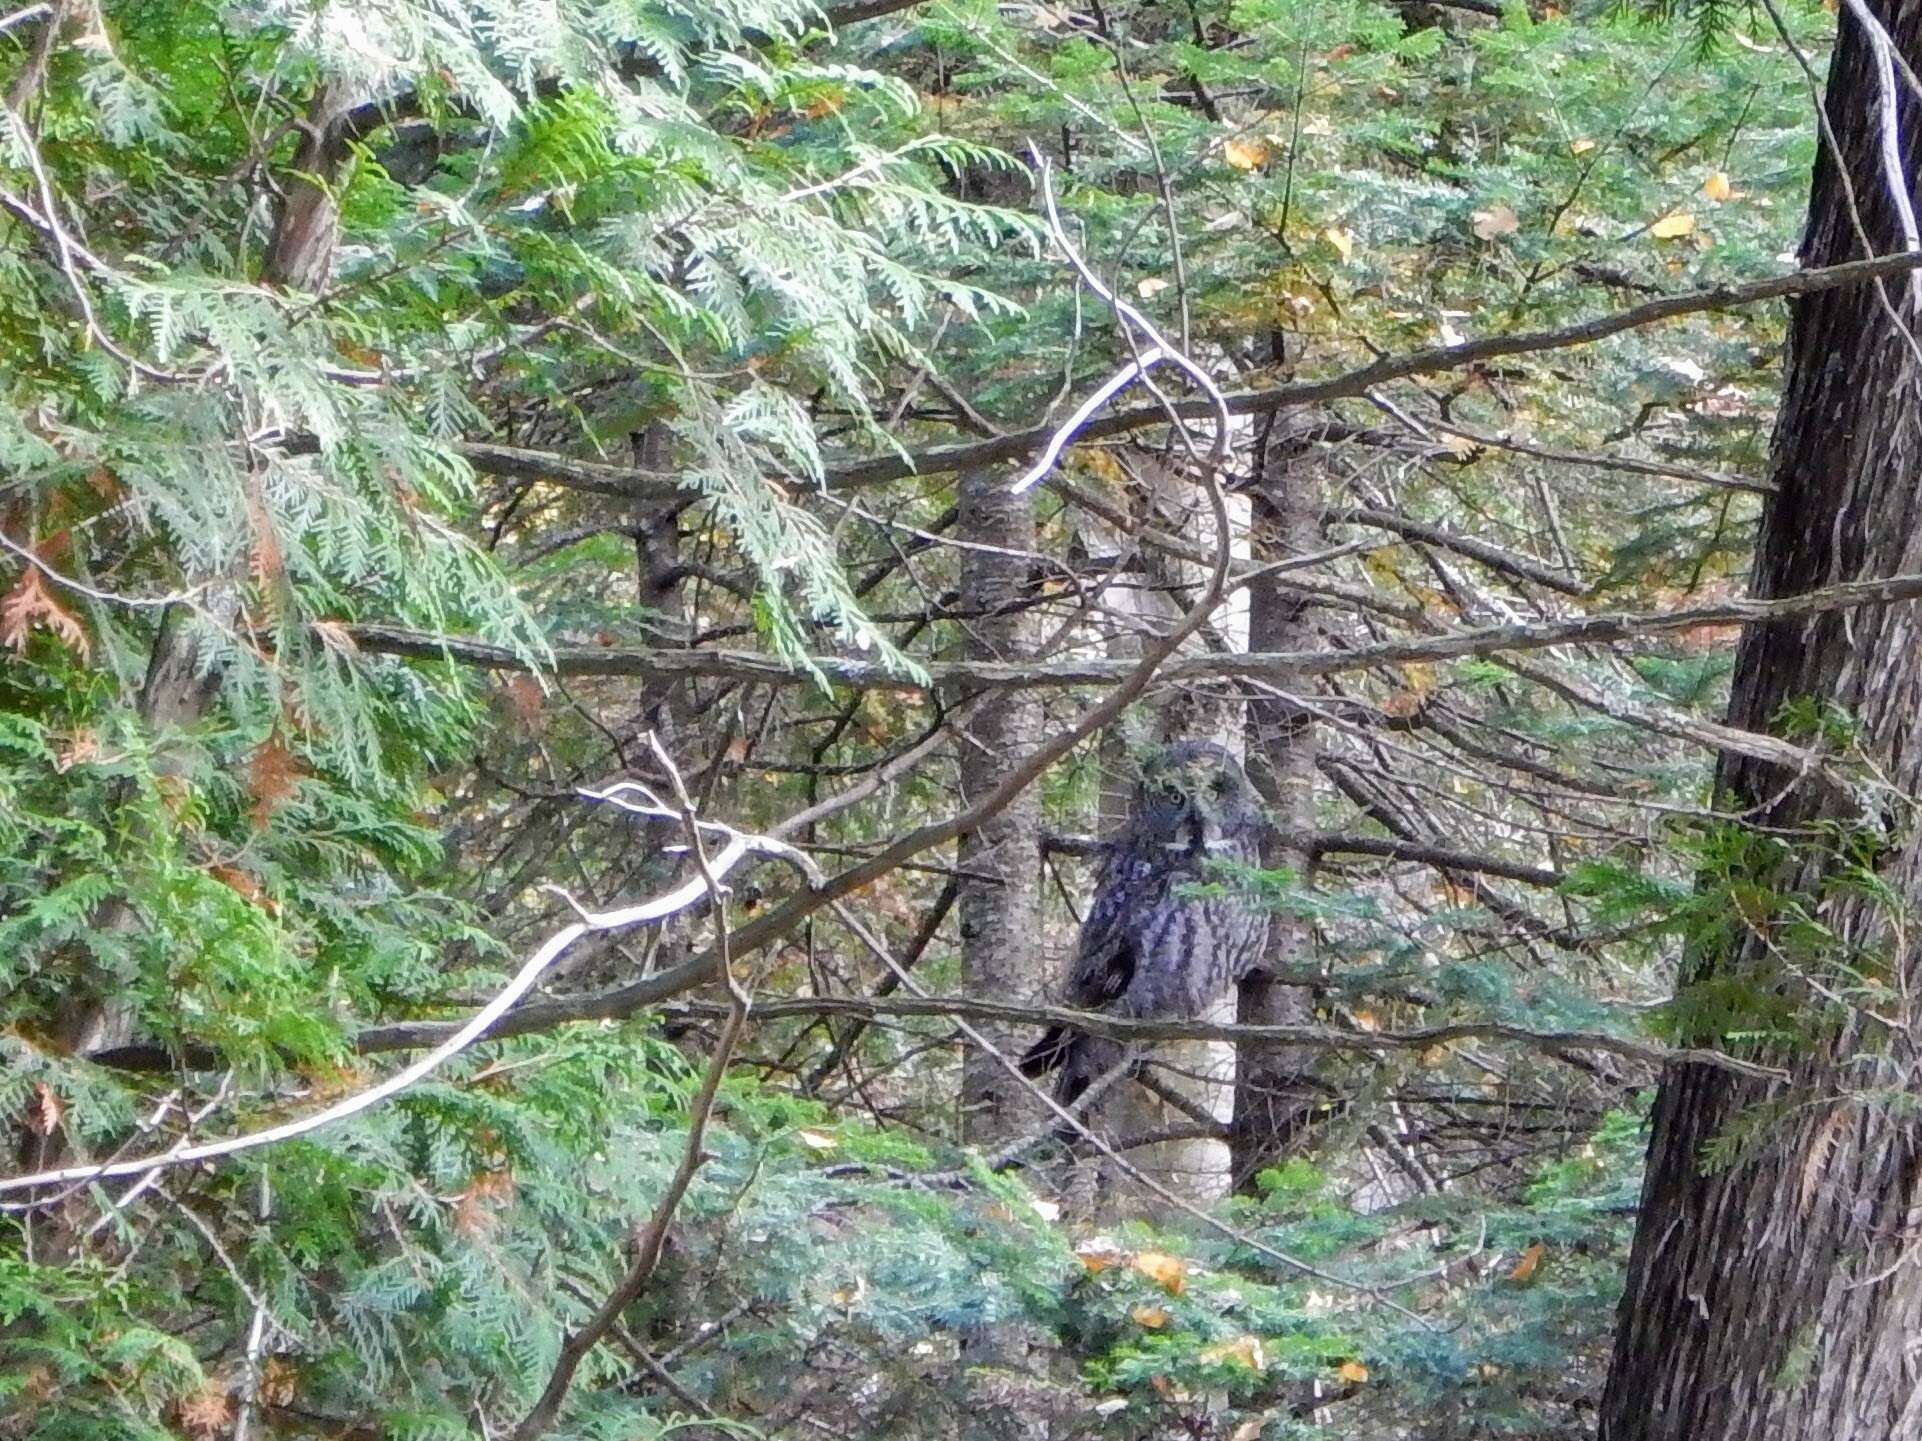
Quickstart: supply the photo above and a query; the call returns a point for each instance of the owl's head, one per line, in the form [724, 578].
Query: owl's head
[1194, 796]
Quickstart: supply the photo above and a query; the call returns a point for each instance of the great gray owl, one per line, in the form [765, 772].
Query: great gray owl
[1147, 949]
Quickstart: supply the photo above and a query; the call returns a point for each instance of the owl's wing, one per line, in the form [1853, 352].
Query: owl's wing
[1105, 958]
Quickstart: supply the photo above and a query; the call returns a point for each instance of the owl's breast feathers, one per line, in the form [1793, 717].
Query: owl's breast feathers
[1151, 949]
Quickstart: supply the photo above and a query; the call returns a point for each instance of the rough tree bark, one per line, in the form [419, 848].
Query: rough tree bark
[998, 902]
[1780, 1296]
[1000, 891]
[1272, 1098]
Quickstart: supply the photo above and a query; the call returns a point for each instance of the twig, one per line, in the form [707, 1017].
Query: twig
[652, 1237]
[738, 848]
[1091, 671]
[1125, 1028]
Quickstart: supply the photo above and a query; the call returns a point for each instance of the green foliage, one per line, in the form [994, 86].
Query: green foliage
[719, 255]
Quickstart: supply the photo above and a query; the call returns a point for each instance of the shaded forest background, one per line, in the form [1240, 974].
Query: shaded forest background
[469, 471]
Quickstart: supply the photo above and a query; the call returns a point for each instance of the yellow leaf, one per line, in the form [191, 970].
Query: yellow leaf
[1245, 154]
[1342, 240]
[1100, 464]
[1367, 1020]
[1431, 598]
[1151, 287]
[1098, 1255]
[1352, 1371]
[1495, 222]
[1244, 1350]
[1420, 676]
[1153, 1317]
[1380, 565]
[817, 1140]
[1531, 1258]
[1673, 227]
[1716, 187]
[1168, 1271]
[1581, 146]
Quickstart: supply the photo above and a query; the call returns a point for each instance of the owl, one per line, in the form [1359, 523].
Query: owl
[1149, 948]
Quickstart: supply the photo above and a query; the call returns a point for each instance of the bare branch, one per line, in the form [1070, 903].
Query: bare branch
[1275, 666]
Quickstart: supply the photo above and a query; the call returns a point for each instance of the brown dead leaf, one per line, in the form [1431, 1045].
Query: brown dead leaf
[1495, 222]
[271, 778]
[1717, 187]
[207, 1413]
[31, 603]
[1673, 227]
[81, 747]
[46, 1110]
[1531, 1259]
[265, 560]
[337, 638]
[1152, 1317]
[1352, 1371]
[523, 696]
[477, 1209]
[236, 880]
[279, 1381]
[1098, 1254]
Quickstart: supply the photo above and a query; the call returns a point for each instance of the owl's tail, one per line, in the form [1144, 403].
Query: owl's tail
[1049, 1053]
[1081, 1059]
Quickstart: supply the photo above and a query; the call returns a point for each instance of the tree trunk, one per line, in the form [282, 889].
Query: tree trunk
[1000, 890]
[1779, 1294]
[1186, 1099]
[999, 904]
[1272, 1099]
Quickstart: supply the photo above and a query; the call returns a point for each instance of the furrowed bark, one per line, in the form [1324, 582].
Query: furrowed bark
[1272, 1102]
[1778, 1294]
